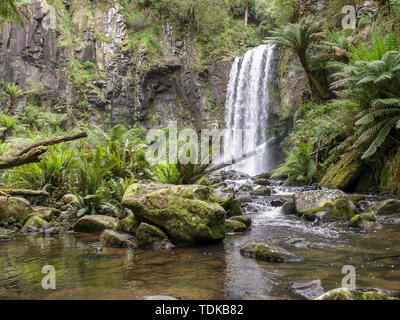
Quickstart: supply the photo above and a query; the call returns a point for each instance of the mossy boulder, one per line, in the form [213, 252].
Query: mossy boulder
[366, 220]
[388, 207]
[129, 224]
[261, 192]
[235, 226]
[314, 201]
[340, 210]
[48, 214]
[262, 182]
[95, 223]
[13, 210]
[70, 199]
[117, 239]
[288, 208]
[246, 220]
[34, 224]
[349, 294]
[189, 214]
[345, 173]
[148, 234]
[233, 208]
[267, 252]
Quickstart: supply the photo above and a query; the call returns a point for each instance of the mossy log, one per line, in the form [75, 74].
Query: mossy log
[53, 141]
[24, 192]
[32, 156]
[34, 152]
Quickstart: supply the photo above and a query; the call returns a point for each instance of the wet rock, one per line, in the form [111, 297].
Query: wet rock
[349, 294]
[235, 226]
[341, 210]
[165, 298]
[244, 199]
[268, 252]
[245, 188]
[149, 235]
[308, 290]
[262, 182]
[129, 224]
[313, 201]
[95, 223]
[387, 207]
[243, 219]
[234, 175]
[116, 239]
[288, 208]
[48, 214]
[34, 224]
[300, 243]
[13, 210]
[278, 203]
[366, 220]
[186, 213]
[265, 175]
[234, 208]
[261, 192]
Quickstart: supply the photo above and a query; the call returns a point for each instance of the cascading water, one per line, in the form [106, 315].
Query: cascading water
[247, 106]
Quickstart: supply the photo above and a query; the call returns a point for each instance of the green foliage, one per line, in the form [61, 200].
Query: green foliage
[298, 166]
[9, 12]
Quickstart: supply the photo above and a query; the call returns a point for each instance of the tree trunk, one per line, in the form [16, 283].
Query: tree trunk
[316, 89]
[32, 156]
[53, 141]
[246, 14]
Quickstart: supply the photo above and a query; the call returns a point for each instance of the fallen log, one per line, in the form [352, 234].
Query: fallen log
[50, 142]
[24, 192]
[31, 156]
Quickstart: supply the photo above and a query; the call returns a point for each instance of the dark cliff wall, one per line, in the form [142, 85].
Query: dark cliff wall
[81, 63]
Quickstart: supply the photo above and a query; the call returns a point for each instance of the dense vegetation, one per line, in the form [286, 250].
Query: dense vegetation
[350, 121]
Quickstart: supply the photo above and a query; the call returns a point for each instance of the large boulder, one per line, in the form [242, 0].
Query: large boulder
[340, 210]
[313, 201]
[188, 213]
[95, 223]
[13, 210]
[388, 207]
[267, 252]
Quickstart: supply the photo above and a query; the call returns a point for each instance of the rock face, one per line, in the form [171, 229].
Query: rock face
[308, 290]
[313, 201]
[95, 223]
[58, 43]
[268, 252]
[188, 214]
[13, 210]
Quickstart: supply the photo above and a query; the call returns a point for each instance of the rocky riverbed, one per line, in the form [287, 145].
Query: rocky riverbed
[281, 243]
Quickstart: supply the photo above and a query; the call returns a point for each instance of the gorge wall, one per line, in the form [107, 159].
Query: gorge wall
[82, 63]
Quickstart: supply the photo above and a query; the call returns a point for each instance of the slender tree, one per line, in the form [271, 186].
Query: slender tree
[299, 37]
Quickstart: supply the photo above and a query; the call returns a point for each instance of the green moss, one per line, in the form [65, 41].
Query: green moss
[344, 173]
[149, 234]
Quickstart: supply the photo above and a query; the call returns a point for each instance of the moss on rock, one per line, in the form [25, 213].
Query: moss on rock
[148, 234]
[129, 224]
[268, 252]
[345, 173]
[235, 226]
[13, 210]
[349, 294]
[95, 223]
[187, 213]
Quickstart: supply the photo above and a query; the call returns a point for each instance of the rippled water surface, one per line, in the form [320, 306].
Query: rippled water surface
[85, 271]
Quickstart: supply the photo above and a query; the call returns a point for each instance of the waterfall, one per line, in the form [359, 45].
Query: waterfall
[247, 106]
